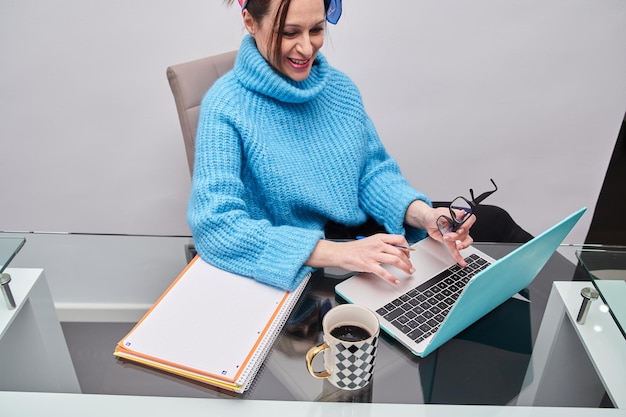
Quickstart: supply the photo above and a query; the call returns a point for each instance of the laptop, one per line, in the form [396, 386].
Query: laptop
[441, 299]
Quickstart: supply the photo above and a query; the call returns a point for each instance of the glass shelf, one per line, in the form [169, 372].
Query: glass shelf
[606, 267]
[9, 247]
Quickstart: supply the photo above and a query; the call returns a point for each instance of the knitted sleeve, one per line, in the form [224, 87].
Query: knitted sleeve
[385, 193]
[224, 231]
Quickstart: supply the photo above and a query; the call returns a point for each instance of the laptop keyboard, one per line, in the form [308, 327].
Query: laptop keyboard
[419, 312]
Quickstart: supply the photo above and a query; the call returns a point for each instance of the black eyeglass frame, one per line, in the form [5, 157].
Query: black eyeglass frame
[452, 220]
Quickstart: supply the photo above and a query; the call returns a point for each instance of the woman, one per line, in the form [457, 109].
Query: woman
[284, 146]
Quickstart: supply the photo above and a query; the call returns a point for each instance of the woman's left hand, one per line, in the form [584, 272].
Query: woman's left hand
[425, 217]
[454, 241]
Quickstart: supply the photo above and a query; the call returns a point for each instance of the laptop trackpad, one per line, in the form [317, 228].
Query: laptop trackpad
[429, 258]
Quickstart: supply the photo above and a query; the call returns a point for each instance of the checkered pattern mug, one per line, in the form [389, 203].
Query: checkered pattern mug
[350, 341]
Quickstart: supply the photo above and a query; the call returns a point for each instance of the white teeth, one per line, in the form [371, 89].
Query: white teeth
[299, 61]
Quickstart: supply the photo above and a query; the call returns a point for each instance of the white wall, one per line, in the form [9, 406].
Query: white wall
[530, 93]
[103, 278]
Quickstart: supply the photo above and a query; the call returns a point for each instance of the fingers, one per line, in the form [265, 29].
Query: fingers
[397, 241]
[454, 248]
[384, 274]
[398, 260]
[456, 242]
[384, 249]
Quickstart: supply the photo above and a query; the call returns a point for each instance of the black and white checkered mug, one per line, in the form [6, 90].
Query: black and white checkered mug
[350, 341]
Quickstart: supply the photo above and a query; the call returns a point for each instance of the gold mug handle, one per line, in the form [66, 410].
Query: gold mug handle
[311, 354]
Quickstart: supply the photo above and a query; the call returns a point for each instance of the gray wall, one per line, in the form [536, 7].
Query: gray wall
[530, 93]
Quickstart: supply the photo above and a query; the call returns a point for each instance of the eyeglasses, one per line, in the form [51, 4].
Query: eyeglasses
[460, 210]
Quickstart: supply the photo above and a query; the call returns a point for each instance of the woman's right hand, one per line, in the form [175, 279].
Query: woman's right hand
[365, 255]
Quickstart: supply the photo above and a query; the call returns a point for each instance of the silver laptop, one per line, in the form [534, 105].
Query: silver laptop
[441, 299]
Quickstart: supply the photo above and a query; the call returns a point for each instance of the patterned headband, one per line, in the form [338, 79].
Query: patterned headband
[333, 9]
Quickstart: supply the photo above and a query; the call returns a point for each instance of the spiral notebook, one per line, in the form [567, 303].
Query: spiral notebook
[212, 326]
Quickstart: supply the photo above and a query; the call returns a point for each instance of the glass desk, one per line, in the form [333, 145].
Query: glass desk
[485, 364]
[606, 267]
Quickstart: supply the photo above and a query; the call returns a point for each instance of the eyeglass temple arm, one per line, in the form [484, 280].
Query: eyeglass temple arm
[484, 195]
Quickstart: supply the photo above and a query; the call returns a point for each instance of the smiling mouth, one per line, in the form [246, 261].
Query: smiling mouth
[299, 62]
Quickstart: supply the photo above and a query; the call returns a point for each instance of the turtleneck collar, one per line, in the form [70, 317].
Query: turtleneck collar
[256, 74]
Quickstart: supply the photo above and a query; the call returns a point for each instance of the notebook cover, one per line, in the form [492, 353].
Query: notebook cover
[210, 325]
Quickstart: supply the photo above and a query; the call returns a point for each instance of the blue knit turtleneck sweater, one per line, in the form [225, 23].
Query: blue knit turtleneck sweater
[276, 159]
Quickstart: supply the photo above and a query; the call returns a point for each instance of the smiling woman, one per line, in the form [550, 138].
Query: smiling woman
[284, 147]
[289, 46]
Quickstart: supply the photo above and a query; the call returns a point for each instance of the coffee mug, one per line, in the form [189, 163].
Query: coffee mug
[350, 341]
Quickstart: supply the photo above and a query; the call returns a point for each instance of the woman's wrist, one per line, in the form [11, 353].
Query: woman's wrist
[418, 214]
[323, 254]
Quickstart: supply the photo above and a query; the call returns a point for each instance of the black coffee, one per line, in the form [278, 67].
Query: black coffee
[350, 333]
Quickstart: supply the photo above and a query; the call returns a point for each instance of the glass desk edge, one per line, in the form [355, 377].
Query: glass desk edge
[9, 248]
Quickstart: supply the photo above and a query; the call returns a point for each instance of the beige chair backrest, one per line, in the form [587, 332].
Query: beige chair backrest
[189, 82]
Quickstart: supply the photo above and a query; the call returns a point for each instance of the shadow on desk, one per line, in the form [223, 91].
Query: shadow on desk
[458, 373]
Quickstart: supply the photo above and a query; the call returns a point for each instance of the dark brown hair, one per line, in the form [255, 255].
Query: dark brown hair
[259, 9]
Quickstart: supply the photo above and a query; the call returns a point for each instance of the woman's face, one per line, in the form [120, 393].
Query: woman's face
[302, 36]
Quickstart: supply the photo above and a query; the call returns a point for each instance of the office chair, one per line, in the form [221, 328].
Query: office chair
[189, 82]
